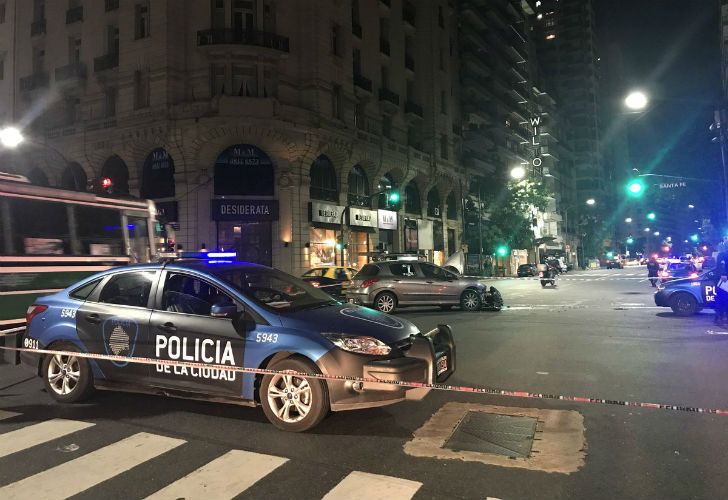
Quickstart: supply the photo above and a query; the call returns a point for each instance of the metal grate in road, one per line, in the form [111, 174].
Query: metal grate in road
[493, 433]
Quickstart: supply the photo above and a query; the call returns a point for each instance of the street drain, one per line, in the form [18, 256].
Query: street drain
[482, 432]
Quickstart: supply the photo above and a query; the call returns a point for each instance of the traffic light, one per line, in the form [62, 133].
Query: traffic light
[502, 251]
[630, 240]
[694, 238]
[393, 196]
[635, 188]
[610, 255]
[651, 216]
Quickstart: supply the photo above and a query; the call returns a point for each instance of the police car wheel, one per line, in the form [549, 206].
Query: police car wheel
[683, 304]
[385, 302]
[294, 403]
[470, 301]
[67, 378]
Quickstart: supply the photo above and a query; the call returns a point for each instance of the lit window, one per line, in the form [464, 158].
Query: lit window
[550, 37]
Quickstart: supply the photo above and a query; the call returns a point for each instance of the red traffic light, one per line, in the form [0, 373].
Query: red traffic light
[106, 182]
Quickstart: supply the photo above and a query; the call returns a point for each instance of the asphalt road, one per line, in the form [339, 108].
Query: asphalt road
[597, 334]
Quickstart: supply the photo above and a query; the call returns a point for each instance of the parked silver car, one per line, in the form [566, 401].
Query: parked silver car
[388, 285]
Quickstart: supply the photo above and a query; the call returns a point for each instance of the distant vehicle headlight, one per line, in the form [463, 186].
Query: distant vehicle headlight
[358, 344]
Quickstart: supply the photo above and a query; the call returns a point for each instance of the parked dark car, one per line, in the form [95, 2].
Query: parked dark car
[526, 270]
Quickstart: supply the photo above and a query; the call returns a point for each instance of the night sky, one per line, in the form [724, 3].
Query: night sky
[671, 50]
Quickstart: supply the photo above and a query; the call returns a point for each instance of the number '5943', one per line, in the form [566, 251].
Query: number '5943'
[266, 337]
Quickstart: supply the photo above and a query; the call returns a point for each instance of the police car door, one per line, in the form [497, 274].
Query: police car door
[708, 284]
[183, 329]
[114, 320]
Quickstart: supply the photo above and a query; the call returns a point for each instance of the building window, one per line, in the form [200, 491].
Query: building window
[356, 57]
[336, 40]
[141, 20]
[358, 187]
[442, 59]
[110, 102]
[112, 39]
[141, 89]
[2, 13]
[218, 14]
[355, 20]
[38, 59]
[323, 180]
[217, 79]
[2, 66]
[387, 127]
[384, 28]
[245, 82]
[443, 147]
[412, 203]
[440, 17]
[337, 104]
[359, 116]
[74, 50]
[443, 101]
[38, 10]
[385, 77]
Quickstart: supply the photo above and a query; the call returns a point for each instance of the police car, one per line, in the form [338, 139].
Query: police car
[226, 313]
[686, 296]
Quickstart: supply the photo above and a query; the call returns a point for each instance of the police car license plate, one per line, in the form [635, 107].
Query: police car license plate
[441, 364]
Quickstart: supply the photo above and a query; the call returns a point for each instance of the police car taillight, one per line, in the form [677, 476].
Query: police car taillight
[33, 311]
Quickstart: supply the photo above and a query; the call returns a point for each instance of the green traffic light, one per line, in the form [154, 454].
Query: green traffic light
[339, 246]
[630, 240]
[502, 251]
[635, 188]
[651, 216]
[694, 238]
[610, 255]
[394, 197]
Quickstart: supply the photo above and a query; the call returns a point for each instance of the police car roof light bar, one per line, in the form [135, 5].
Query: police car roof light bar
[207, 255]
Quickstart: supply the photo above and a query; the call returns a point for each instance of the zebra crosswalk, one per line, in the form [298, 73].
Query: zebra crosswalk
[227, 475]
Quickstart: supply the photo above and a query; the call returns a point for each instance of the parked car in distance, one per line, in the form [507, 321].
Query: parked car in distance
[388, 285]
[526, 270]
[614, 264]
[330, 279]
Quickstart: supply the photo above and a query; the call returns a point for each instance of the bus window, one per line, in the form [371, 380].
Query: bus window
[40, 228]
[99, 231]
[139, 239]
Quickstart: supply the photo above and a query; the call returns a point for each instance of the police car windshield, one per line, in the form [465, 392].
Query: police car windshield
[274, 290]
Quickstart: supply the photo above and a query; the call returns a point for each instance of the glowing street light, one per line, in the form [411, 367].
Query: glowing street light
[691, 206]
[693, 238]
[656, 233]
[11, 137]
[591, 201]
[647, 230]
[628, 220]
[636, 100]
[651, 216]
[518, 173]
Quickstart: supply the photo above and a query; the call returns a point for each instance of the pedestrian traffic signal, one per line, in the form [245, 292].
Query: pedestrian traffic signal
[502, 251]
[651, 216]
[635, 188]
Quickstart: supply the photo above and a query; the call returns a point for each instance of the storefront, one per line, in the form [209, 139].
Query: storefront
[387, 223]
[325, 227]
[362, 222]
[243, 208]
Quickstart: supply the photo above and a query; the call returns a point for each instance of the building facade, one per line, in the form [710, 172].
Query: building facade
[254, 125]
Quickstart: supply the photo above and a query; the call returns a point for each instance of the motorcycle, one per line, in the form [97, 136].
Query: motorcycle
[547, 277]
[492, 299]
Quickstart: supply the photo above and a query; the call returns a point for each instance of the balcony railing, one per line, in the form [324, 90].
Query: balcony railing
[240, 37]
[409, 13]
[387, 95]
[356, 29]
[105, 62]
[413, 108]
[38, 27]
[34, 81]
[74, 15]
[384, 46]
[409, 62]
[362, 82]
[71, 71]
[112, 5]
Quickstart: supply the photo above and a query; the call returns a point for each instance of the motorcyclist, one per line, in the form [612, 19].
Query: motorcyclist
[653, 269]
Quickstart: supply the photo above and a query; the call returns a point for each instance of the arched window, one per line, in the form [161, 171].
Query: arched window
[323, 180]
[383, 200]
[158, 175]
[243, 169]
[358, 187]
[117, 171]
[74, 178]
[452, 206]
[38, 177]
[434, 209]
[412, 204]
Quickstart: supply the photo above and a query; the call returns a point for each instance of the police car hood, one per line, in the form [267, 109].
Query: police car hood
[351, 319]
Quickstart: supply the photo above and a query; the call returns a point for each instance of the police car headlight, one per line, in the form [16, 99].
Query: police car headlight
[357, 344]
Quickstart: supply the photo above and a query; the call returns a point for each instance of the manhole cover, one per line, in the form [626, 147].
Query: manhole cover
[493, 433]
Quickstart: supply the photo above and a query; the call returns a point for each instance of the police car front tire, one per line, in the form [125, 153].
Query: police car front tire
[67, 378]
[294, 403]
[683, 304]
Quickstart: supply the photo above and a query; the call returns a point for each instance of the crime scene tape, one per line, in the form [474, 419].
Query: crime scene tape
[349, 378]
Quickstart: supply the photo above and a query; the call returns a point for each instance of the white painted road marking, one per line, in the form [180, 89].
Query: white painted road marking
[71, 478]
[224, 477]
[7, 414]
[33, 435]
[364, 486]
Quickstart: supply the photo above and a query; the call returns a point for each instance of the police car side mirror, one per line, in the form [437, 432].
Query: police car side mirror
[227, 310]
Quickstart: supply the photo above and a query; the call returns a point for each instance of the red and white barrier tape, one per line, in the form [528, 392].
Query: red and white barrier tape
[348, 378]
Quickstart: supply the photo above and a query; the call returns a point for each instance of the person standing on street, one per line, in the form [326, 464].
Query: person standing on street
[652, 269]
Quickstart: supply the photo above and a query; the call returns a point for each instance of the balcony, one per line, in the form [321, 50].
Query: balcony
[238, 37]
[409, 62]
[38, 27]
[409, 13]
[73, 71]
[384, 46]
[412, 108]
[389, 99]
[362, 82]
[74, 15]
[112, 5]
[108, 61]
[356, 30]
[34, 81]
